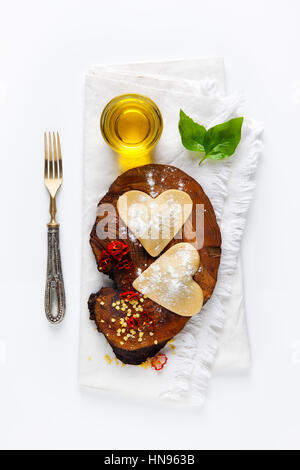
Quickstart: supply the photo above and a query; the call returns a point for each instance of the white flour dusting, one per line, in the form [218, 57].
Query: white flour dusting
[171, 278]
[153, 221]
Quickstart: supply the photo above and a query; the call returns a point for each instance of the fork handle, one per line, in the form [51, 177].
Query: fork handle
[55, 303]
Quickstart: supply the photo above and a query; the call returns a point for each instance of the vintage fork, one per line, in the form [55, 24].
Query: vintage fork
[55, 292]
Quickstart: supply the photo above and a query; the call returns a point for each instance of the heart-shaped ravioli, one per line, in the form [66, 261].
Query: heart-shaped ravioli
[155, 221]
[169, 281]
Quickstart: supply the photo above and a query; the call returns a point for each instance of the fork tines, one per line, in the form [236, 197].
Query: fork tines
[53, 165]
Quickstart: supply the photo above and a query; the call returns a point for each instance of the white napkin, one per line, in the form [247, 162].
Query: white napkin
[198, 87]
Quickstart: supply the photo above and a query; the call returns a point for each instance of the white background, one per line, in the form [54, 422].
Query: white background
[45, 49]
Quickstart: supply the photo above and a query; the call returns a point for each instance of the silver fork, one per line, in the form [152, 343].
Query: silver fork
[55, 304]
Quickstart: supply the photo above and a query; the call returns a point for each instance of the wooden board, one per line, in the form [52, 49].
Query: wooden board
[153, 179]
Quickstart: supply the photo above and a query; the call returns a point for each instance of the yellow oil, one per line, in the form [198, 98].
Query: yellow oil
[131, 125]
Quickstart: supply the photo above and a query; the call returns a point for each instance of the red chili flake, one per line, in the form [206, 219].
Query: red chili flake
[159, 361]
[147, 319]
[130, 294]
[118, 249]
[104, 262]
[124, 264]
[132, 323]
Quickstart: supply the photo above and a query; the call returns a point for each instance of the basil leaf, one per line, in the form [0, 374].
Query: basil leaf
[217, 143]
[222, 140]
[192, 134]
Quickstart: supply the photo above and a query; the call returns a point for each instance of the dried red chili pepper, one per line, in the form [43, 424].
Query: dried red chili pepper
[130, 294]
[132, 323]
[104, 262]
[124, 264]
[117, 249]
[147, 319]
[159, 361]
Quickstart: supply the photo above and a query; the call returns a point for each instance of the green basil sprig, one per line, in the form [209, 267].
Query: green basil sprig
[217, 143]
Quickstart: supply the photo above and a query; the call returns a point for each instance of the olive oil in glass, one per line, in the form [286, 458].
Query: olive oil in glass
[131, 125]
